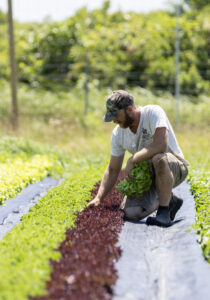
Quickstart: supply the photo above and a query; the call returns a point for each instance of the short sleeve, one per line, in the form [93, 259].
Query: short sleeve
[158, 118]
[116, 148]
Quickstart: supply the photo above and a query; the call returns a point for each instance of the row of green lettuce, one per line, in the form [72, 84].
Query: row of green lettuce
[23, 162]
[200, 187]
[25, 251]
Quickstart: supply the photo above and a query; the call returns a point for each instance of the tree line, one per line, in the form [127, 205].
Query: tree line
[115, 49]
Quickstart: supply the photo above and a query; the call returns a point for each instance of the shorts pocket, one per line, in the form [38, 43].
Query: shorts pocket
[183, 172]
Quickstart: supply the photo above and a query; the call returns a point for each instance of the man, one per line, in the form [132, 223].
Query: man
[147, 134]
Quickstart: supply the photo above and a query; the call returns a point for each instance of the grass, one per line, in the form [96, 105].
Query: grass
[57, 118]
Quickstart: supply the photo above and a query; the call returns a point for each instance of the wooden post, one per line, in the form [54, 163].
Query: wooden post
[13, 68]
[86, 88]
[177, 86]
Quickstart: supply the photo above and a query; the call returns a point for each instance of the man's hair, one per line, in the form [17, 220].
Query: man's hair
[122, 98]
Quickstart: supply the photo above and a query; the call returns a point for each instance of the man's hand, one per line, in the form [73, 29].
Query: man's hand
[129, 166]
[95, 202]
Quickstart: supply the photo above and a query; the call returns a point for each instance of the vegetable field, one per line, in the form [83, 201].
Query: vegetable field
[60, 248]
[26, 250]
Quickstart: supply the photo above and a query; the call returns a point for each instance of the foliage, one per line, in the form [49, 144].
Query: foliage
[139, 182]
[23, 162]
[196, 147]
[197, 4]
[21, 171]
[13, 146]
[3, 17]
[42, 114]
[200, 187]
[89, 253]
[25, 251]
[117, 49]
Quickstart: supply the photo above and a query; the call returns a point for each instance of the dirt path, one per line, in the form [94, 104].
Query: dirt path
[16, 207]
[163, 263]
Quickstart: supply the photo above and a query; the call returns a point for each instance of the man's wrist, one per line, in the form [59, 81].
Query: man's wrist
[99, 198]
[134, 160]
[140, 156]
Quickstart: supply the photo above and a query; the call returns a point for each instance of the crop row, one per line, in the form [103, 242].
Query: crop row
[18, 172]
[25, 251]
[200, 187]
[23, 162]
[86, 269]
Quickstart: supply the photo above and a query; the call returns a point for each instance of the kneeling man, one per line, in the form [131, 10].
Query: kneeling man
[147, 134]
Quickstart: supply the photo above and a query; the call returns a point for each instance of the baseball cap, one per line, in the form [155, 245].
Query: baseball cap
[116, 101]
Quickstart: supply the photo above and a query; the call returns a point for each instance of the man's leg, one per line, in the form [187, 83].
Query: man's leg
[138, 207]
[167, 175]
[137, 213]
[163, 178]
[164, 181]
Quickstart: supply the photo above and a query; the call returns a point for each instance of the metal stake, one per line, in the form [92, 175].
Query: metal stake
[13, 68]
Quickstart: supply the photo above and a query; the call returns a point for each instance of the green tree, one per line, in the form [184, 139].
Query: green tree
[3, 17]
[197, 4]
[123, 49]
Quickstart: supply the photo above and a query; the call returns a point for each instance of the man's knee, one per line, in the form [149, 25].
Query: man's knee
[133, 213]
[160, 162]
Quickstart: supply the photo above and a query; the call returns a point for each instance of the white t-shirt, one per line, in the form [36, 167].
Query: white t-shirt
[152, 117]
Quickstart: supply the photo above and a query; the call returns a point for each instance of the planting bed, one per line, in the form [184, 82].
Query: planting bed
[17, 173]
[14, 208]
[86, 268]
[25, 250]
[163, 263]
[200, 187]
[23, 162]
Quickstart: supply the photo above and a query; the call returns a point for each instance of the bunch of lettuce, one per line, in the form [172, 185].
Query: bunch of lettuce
[140, 182]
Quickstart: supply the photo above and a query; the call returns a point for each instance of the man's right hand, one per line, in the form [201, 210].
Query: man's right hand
[95, 202]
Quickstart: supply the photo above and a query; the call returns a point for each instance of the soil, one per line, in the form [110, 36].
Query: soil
[86, 270]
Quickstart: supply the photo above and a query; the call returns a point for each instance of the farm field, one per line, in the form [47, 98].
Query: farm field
[52, 246]
[57, 140]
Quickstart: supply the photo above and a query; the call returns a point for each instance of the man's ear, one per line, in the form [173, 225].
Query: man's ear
[129, 108]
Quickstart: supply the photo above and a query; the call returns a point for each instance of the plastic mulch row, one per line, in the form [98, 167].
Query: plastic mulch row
[86, 269]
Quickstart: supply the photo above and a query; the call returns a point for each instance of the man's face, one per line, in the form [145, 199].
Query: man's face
[123, 118]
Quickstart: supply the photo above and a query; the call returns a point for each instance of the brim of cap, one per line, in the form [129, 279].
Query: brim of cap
[109, 116]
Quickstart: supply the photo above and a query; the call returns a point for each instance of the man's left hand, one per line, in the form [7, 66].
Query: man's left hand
[129, 166]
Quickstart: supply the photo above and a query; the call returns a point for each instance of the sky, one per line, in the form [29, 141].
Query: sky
[57, 10]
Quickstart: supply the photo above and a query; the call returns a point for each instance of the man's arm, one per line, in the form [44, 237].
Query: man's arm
[109, 179]
[159, 145]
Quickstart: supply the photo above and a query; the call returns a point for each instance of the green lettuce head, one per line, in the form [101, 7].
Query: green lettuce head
[140, 182]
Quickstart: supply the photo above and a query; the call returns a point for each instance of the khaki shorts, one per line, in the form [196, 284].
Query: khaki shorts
[148, 199]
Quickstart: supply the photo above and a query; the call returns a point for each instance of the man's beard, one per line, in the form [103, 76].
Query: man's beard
[128, 121]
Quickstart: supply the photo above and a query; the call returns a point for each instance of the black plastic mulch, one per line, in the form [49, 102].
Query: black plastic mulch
[86, 269]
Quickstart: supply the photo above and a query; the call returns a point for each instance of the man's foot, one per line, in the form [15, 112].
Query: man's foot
[162, 217]
[174, 205]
